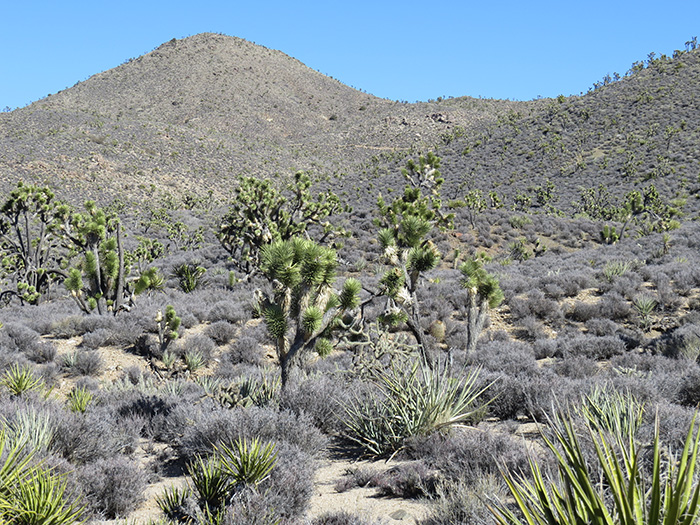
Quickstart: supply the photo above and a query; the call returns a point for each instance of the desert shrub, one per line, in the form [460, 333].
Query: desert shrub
[601, 327]
[221, 332]
[248, 347]
[66, 327]
[681, 343]
[97, 339]
[86, 438]
[584, 311]
[290, 486]
[537, 305]
[613, 306]
[689, 388]
[42, 352]
[510, 357]
[464, 504]
[19, 338]
[531, 328]
[268, 424]
[149, 410]
[81, 362]
[342, 517]
[579, 367]
[197, 343]
[597, 348]
[319, 397]
[407, 480]
[113, 487]
[233, 312]
[467, 455]
[545, 348]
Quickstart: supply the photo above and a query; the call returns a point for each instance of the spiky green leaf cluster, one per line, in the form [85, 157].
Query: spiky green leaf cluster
[275, 320]
[393, 282]
[633, 484]
[311, 320]
[423, 258]
[149, 280]
[323, 347]
[481, 283]
[349, 297]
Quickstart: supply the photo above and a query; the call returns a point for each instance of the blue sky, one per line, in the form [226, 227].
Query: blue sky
[398, 50]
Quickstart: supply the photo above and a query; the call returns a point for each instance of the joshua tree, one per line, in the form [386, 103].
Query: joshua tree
[303, 307]
[484, 293]
[405, 223]
[261, 213]
[32, 241]
[97, 281]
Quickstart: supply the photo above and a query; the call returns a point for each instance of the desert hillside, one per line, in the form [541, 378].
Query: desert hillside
[294, 303]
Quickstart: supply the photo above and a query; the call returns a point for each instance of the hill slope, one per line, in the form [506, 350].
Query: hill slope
[209, 107]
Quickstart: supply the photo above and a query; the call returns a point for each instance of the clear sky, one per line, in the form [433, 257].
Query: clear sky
[405, 50]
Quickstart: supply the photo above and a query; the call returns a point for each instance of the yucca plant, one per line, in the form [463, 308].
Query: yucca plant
[616, 492]
[20, 379]
[409, 403]
[194, 360]
[645, 306]
[28, 494]
[247, 462]
[190, 276]
[173, 503]
[39, 500]
[212, 483]
[30, 428]
[78, 399]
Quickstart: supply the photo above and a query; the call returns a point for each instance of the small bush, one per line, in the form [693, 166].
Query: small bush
[221, 332]
[113, 487]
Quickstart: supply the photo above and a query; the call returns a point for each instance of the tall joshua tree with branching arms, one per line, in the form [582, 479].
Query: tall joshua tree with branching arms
[483, 292]
[405, 224]
[303, 307]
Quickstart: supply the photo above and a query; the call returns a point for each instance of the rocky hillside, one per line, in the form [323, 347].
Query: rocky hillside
[639, 130]
[202, 110]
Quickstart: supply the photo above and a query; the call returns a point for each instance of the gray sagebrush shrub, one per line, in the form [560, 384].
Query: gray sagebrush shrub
[320, 397]
[85, 438]
[601, 327]
[97, 339]
[113, 487]
[467, 455]
[233, 312]
[343, 517]
[290, 486]
[221, 332]
[208, 429]
[598, 348]
[410, 480]
[82, 363]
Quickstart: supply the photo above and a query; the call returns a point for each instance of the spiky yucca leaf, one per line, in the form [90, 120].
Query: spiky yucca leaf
[311, 320]
[410, 403]
[393, 282]
[350, 294]
[247, 462]
[423, 258]
[323, 347]
[412, 230]
[625, 496]
[275, 320]
[386, 238]
[74, 282]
